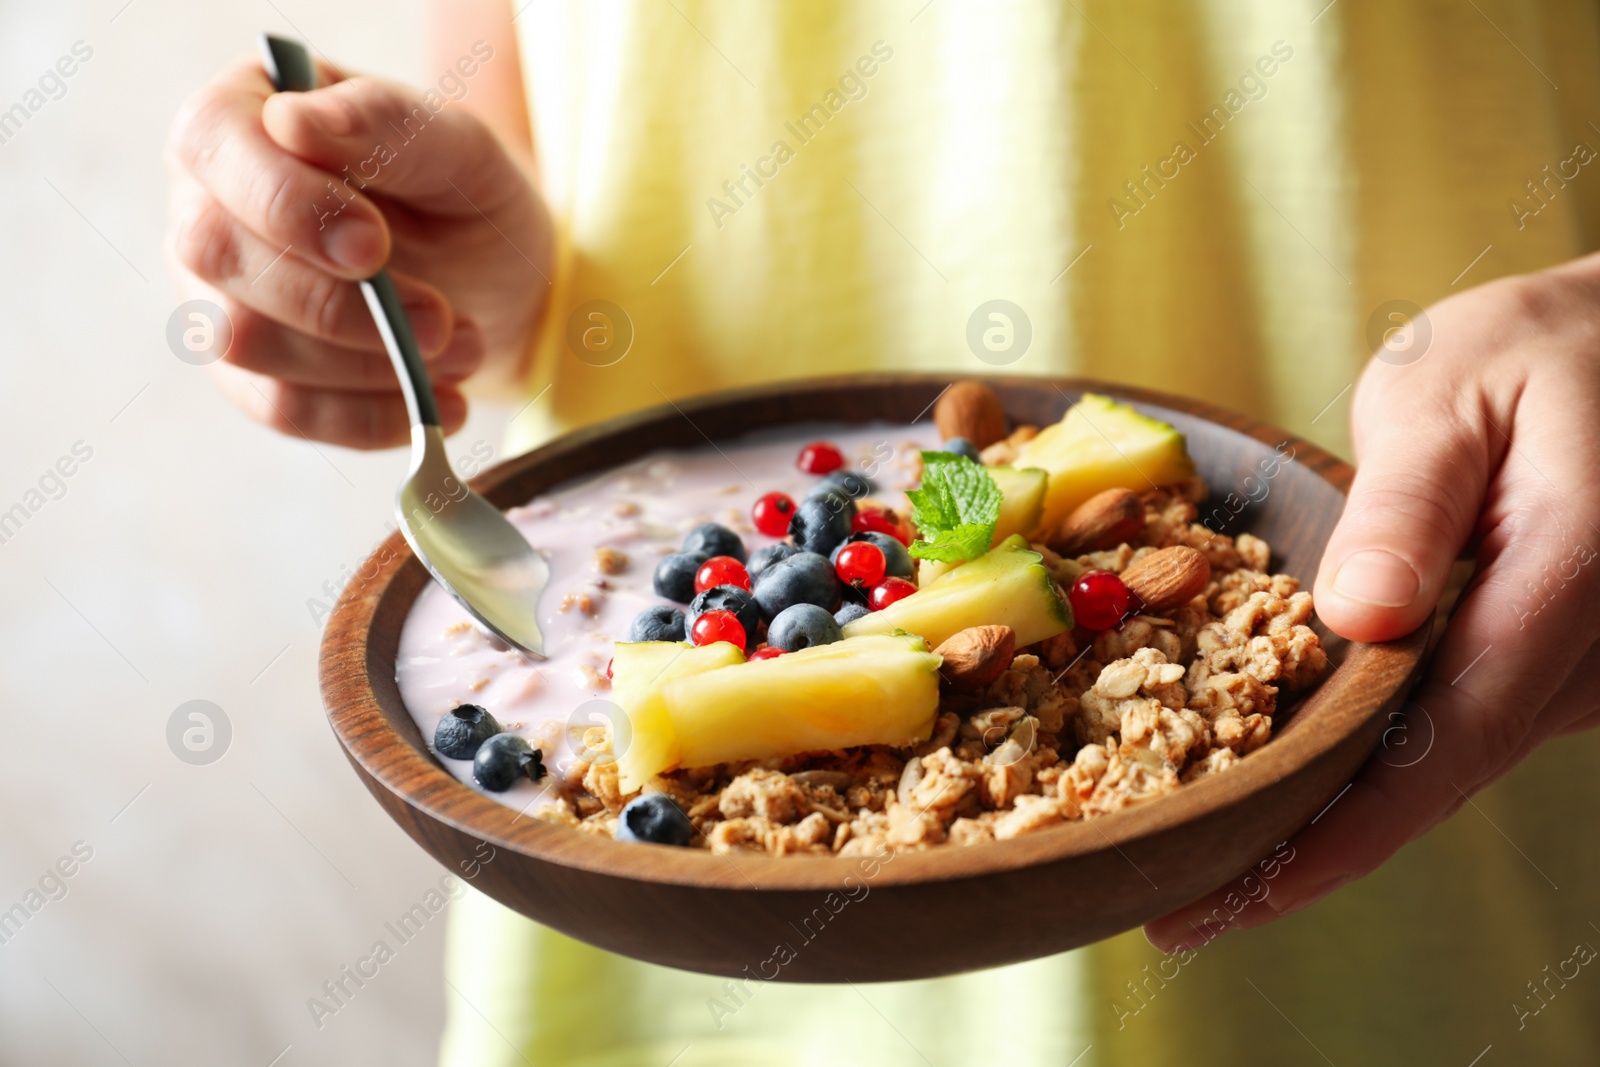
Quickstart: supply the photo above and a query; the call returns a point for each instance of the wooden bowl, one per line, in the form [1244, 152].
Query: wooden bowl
[913, 914]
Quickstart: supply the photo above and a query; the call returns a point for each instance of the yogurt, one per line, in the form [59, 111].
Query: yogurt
[603, 536]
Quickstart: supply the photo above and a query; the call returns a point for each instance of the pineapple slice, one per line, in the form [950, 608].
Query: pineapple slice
[1098, 445]
[1021, 500]
[1021, 504]
[639, 669]
[1006, 586]
[863, 691]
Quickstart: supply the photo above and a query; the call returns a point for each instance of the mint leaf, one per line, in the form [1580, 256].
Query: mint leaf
[955, 509]
[966, 541]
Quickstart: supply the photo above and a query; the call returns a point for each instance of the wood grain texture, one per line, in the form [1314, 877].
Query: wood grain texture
[914, 914]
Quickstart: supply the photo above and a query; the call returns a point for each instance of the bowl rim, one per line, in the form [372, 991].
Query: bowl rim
[352, 680]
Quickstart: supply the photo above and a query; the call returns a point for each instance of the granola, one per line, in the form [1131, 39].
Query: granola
[1075, 727]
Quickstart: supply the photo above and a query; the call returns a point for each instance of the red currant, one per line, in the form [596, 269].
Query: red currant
[766, 653]
[721, 570]
[879, 520]
[819, 457]
[714, 626]
[861, 564]
[772, 512]
[1099, 600]
[888, 591]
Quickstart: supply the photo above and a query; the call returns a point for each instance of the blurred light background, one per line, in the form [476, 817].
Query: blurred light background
[177, 565]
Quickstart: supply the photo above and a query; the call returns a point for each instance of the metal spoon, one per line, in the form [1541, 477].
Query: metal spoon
[466, 543]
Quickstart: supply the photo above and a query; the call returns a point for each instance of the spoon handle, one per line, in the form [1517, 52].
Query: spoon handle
[395, 328]
[289, 66]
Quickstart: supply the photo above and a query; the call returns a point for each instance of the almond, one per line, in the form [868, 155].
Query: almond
[976, 656]
[971, 410]
[1168, 577]
[1105, 520]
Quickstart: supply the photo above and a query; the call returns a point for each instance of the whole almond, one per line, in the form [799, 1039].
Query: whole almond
[972, 410]
[976, 656]
[1168, 577]
[1105, 520]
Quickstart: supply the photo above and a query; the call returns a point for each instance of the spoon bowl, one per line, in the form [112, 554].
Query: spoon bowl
[470, 548]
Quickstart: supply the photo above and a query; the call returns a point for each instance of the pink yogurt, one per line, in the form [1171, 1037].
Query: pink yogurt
[643, 510]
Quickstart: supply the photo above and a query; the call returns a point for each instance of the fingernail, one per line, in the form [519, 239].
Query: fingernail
[355, 243]
[1378, 577]
[327, 112]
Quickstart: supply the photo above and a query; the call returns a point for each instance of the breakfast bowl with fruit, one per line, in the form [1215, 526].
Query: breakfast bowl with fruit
[856, 673]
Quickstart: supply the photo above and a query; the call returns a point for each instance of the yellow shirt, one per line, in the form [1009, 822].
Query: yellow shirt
[1213, 197]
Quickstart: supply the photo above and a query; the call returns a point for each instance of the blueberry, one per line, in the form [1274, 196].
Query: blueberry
[850, 613]
[802, 626]
[462, 730]
[729, 598]
[897, 561]
[803, 578]
[961, 447]
[654, 818]
[674, 577]
[820, 523]
[503, 759]
[837, 501]
[839, 496]
[847, 483]
[713, 539]
[762, 558]
[658, 622]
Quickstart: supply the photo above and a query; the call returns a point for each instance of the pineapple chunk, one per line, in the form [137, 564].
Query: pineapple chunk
[1021, 500]
[931, 570]
[877, 690]
[1021, 504]
[1006, 586]
[639, 669]
[1098, 445]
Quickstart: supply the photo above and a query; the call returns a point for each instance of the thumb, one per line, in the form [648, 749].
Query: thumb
[1414, 503]
[378, 136]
